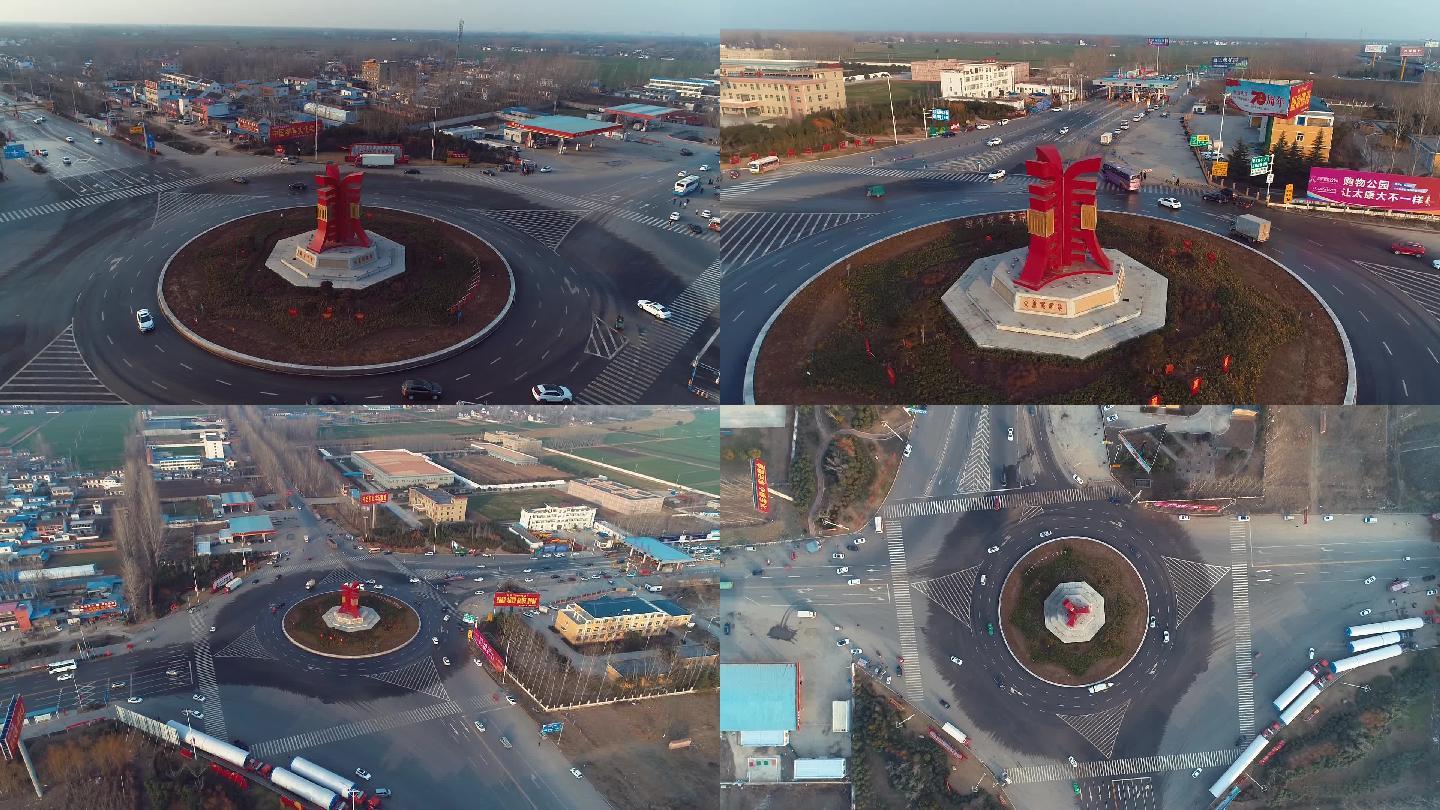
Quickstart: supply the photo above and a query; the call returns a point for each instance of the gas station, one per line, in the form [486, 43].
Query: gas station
[560, 127]
[642, 114]
[1139, 85]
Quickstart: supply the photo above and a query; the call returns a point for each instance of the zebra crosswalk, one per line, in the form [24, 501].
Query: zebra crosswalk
[1004, 500]
[87, 201]
[751, 235]
[640, 362]
[206, 684]
[1244, 654]
[1062, 772]
[57, 374]
[904, 610]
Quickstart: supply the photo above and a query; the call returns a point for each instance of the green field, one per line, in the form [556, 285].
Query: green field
[686, 454]
[445, 426]
[581, 468]
[875, 92]
[506, 506]
[92, 438]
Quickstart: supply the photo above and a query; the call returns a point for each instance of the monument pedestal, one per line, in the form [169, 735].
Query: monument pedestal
[348, 267]
[346, 623]
[1074, 316]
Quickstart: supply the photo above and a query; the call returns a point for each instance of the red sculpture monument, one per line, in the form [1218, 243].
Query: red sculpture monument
[1073, 612]
[1061, 220]
[350, 599]
[337, 211]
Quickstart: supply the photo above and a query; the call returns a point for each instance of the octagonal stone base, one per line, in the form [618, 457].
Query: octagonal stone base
[1086, 624]
[336, 620]
[347, 268]
[1075, 317]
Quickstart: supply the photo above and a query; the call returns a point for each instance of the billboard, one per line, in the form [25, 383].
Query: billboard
[1230, 62]
[1268, 98]
[10, 729]
[372, 498]
[299, 129]
[934, 734]
[1432, 43]
[491, 657]
[1159, 42]
[516, 599]
[940, 115]
[762, 485]
[1392, 192]
[1374, 49]
[96, 607]
[1412, 52]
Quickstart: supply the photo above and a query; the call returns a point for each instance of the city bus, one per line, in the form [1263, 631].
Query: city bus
[58, 667]
[687, 184]
[1120, 176]
[765, 164]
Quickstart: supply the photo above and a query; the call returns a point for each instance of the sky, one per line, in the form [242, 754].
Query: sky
[1321, 19]
[696, 17]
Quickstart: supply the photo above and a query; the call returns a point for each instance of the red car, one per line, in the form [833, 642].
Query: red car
[1407, 249]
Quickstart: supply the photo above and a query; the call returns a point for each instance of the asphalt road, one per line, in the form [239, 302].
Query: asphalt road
[585, 241]
[800, 220]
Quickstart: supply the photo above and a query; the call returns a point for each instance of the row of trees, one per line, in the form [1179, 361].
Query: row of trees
[1289, 161]
[139, 526]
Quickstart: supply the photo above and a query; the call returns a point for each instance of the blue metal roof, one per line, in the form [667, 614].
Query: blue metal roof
[567, 124]
[657, 550]
[652, 110]
[236, 498]
[249, 524]
[669, 607]
[608, 606]
[758, 697]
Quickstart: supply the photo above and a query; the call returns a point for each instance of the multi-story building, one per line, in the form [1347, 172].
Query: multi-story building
[684, 88]
[1305, 129]
[778, 88]
[438, 505]
[401, 469]
[928, 70]
[978, 80]
[155, 92]
[614, 496]
[609, 618]
[558, 518]
[512, 441]
[506, 455]
[379, 72]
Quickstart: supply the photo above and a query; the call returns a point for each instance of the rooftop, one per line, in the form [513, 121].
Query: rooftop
[251, 524]
[400, 462]
[657, 550]
[607, 607]
[439, 496]
[617, 489]
[568, 125]
[236, 498]
[654, 110]
[758, 697]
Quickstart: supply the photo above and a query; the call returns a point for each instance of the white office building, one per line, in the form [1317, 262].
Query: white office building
[558, 518]
[978, 80]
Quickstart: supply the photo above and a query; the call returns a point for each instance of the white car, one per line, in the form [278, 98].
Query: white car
[982, 126]
[842, 642]
[479, 579]
[552, 393]
[1169, 202]
[1195, 774]
[1242, 518]
[704, 167]
[212, 628]
[479, 593]
[856, 651]
[144, 320]
[1152, 622]
[1003, 122]
[1044, 535]
[1076, 477]
[1312, 653]
[674, 216]
[414, 580]
[1010, 434]
[510, 698]
[444, 660]
[65, 160]
[842, 570]
[1182, 517]
[992, 549]
[1370, 580]
[655, 308]
[1166, 638]
[66, 676]
[956, 661]
[682, 173]
[982, 579]
[852, 582]
[994, 142]
[546, 170]
[1435, 264]
[529, 579]
[860, 541]
[198, 698]
[1365, 612]
[576, 773]
[1112, 418]
[1327, 518]
[1138, 117]
[705, 214]
[1064, 130]
[134, 700]
[434, 639]
[363, 774]
[906, 452]
[527, 570]
[998, 174]
[97, 140]
[837, 556]
[1124, 126]
[1073, 763]
[69, 139]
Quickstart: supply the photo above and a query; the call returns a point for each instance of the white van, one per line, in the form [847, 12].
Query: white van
[1099, 687]
[805, 614]
[654, 588]
[879, 525]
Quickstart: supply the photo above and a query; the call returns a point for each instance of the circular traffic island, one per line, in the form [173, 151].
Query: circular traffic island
[384, 625]
[887, 324]
[431, 290]
[1073, 611]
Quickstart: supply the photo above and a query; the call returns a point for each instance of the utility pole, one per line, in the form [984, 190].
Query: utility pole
[894, 130]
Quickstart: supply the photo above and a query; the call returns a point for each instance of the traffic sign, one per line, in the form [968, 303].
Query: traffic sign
[940, 115]
[1269, 178]
[15, 150]
[1289, 192]
[1220, 168]
[1260, 164]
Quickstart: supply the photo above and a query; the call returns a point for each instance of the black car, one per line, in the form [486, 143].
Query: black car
[1000, 682]
[947, 134]
[757, 571]
[686, 152]
[489, 172]
[325, 399]
[424, 389]
[727, 628]
[852, 547]
[298, 186]
[412, 171]
[1428, 578]
[241, 180]
[696, 229]
[1224, 195]
[945, 703]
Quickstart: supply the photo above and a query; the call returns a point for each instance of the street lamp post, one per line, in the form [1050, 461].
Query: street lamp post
[1220, 143]
[894, 130]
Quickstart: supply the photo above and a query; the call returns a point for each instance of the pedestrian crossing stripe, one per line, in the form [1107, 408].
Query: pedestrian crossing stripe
[1005, 500]
[1062, 772]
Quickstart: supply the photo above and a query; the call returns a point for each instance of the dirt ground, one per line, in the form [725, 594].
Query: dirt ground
[1417, 464]
[742, 522]
[1344, 469]
[488, 470]
[1308, 367]
[1101, 558]
[791, 796]
[623, 751]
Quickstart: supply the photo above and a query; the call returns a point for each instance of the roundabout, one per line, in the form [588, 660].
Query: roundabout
[358, 626]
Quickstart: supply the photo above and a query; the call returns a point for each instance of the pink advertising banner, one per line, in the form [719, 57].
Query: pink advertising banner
[1393, 192]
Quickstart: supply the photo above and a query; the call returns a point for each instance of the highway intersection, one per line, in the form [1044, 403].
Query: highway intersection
[87, 241]
[803, 218]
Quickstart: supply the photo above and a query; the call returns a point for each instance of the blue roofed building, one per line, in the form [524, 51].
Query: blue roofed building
[610, 618]
[247, 529]
[760, 702]
[651, 552]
